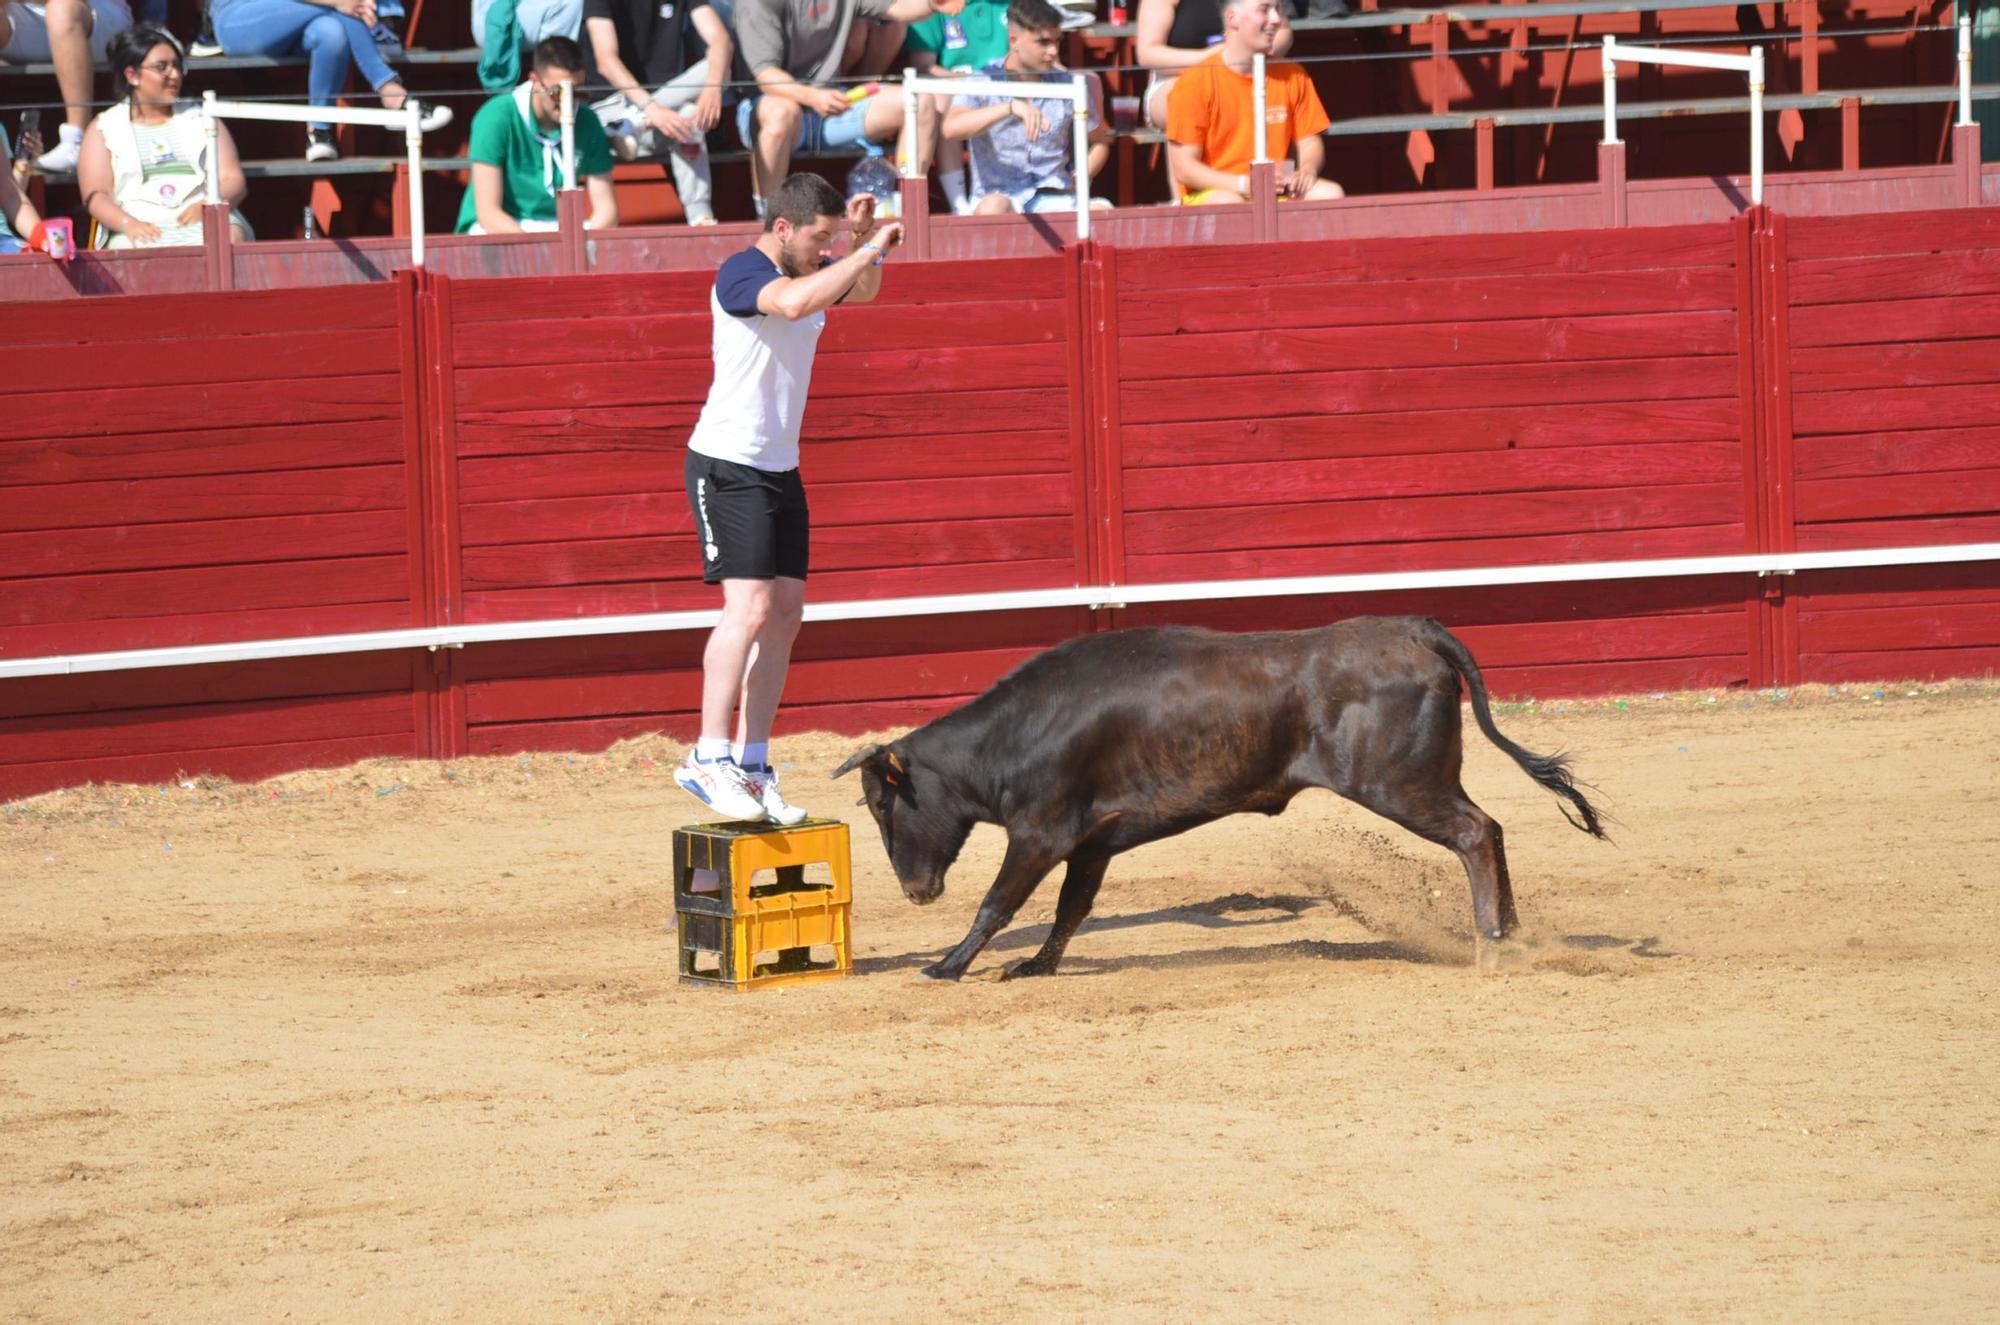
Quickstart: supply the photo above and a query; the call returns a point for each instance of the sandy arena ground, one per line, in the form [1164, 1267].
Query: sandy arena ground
[404, 1042]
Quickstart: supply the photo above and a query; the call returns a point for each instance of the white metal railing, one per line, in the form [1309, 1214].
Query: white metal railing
[567, 102]
[1076, 92]
[408, 118]
[1751, 65]
[1092, 596]
[1964, 67]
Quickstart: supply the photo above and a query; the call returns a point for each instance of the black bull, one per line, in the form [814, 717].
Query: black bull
[1110, 741]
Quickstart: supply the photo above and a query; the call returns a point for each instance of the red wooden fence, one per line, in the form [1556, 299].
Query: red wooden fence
[434, 451]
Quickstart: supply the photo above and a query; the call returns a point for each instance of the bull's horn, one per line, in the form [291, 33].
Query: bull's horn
[858, 758]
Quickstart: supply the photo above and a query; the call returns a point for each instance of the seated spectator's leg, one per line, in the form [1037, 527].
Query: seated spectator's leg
[328, 53]
[70, 23]
[951, 163]
[993, 204]
[872, 47]
[278, 27]
[548, 18]
[1210, 197]
[778, 124]
[366, 54]
[691, 171]
[882, 121]
[1324, 190]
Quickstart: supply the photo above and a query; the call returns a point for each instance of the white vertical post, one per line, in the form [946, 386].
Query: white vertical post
[1610, 94]
[1257, 99]
[413, 135]
[1756, 126]
[568, 101]
[212, 129]
[1079, 128]
[1964, 65]
[906, 156]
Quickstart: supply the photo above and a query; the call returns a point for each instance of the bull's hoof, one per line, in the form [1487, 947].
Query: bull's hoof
[1505, 954]
[1031, 967]
[938, 973]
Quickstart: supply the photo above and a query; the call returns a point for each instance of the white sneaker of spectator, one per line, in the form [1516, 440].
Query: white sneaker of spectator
[61, 159]
[765, 779]
[433, 117]
[722, 786]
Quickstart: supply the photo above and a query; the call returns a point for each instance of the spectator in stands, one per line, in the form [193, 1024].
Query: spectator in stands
[20, 223]
[795, 49]
[334, 35]
[950, 46]
[73, 35]
[1021, 149]
[1211, 116]
[662, 100]
[506, 30]
[145, 172]
[1173, 35]
[517, 151]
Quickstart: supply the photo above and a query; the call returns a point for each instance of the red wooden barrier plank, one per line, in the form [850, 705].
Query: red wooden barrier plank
[187, 453]
[1622, 678]
[130, 503]
[1231, 267]
[513, 432]
[675, 589]
[1861, 455]
[1898, 665]
[169, 593]
[135, 732]
[1434, 388]
[1922, 531]
[244, 363]
[1417, 554]
[51, 637]
[1430, 345]
[1422, 431]
[1891, 627]
[1895, 408]
[666, 512]
[162, 688]
[217, 543]
[1966, 582]
[52, 414]
[1877, 234]
[1870, 367]
[1280, 479]
[90, 324]
[1960, 492]
[244, 763]
[1865, 280]
[1402, 303]
[1893, 321]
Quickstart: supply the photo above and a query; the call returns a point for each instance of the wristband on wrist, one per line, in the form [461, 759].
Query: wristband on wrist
[879, 254]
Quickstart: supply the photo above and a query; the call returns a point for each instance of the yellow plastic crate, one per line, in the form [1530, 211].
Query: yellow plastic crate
[742, 937]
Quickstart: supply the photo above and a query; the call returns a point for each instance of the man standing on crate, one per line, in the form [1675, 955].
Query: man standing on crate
[769, 305]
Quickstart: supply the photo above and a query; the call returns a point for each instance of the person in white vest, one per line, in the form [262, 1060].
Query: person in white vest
[144, 171]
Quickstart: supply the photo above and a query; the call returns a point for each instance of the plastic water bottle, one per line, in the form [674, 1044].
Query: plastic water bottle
[874, 175]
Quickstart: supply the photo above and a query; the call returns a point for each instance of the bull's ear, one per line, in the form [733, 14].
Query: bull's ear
[866, 755]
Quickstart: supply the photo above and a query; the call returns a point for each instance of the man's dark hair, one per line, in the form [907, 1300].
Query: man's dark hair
[557, 53]
[801, 199]
[1033, 15]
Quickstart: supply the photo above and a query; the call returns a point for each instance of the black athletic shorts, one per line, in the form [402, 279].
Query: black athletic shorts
[753, 524]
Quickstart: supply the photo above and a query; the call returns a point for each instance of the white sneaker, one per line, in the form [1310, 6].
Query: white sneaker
[776, 808]
[61, 159]
[722, 786]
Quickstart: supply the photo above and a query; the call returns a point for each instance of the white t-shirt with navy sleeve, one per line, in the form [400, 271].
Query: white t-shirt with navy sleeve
[763, 367]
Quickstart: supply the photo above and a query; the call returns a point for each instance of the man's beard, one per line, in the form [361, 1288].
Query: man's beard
[790, 262]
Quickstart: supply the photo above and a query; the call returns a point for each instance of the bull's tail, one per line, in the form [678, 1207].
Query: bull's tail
[1552, 771]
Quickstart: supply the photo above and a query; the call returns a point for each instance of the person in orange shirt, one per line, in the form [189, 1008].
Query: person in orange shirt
[1211, 116]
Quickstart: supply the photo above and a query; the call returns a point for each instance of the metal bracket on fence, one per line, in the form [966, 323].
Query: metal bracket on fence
[1751, 65]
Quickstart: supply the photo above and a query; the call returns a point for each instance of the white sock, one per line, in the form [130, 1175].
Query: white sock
[954, 188]
[71, 133]
[754, 755]
[709, 749]
[758, 203]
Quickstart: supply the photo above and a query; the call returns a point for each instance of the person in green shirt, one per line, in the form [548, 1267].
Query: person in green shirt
[950, 46]
[517, 151]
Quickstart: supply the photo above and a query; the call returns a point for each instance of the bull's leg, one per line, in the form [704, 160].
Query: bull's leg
[1023, 868]
[1079, 890]
[1453, 821]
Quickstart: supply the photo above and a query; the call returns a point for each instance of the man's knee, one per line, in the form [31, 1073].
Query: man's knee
[776, 117]
[993, 204]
